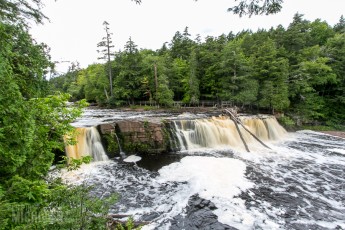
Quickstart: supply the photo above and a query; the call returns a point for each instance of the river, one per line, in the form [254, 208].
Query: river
[297, 184]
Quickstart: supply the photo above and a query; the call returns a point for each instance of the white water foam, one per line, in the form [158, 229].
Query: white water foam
[208, 176]
[299, 182]
[132, 158]
[341, 151]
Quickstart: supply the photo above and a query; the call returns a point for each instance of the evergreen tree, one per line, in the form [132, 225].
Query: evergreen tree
[210, 70]
[296, 38]
[191, 82]
[179, 82]
[256, 7]
[14, 11]
[272, 74]
[164, 94]
[340, 26]
[106, 46]
[319, 32]
[335, 50]
[181, 45]
[237, 84]
[128, 81]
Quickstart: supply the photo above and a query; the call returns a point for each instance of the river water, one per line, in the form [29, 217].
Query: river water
[298, 184]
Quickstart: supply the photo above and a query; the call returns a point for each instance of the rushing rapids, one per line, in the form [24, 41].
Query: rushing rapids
[214, 184]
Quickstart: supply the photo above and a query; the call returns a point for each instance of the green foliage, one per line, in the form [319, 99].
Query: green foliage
[191, 82]
[94, 82]
[272, 74]
[340, 26]
[237, 85]
[136, 147]
[69, 82]
[111, 144]
[129, 225]
[32, 126]
[210, 70]
[16, 124]
[164, 95]
[76, 208]
[67, 207]
[28, 60]
[318, 127]
[128, 69]
[287, 122]
[28, 191]
[73, 164]
[19, 11]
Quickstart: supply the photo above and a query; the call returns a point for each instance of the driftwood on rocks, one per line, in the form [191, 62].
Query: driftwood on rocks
[116, 219]
[236, 120]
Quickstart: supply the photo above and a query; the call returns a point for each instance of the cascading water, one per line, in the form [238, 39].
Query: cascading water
[131, 158]
[122, 153]
[88, 144]
[221, 132]
[297, 184]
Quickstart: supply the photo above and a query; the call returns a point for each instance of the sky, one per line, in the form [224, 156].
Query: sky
[75, 26]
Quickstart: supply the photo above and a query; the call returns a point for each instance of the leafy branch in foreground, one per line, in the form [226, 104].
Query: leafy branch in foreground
[137, 1]
[21, 10]
[73, 164]
[257, 7]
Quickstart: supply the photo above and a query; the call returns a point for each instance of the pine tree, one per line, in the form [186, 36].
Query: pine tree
[106, 46]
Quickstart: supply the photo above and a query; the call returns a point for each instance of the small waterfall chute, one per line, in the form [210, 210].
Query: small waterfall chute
[128, 159]
[122, 153]
[88, 143]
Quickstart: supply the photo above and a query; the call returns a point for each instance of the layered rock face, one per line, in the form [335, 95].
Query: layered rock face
[135, 136]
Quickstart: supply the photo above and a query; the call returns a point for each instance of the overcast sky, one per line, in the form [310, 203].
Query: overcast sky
[75, 26]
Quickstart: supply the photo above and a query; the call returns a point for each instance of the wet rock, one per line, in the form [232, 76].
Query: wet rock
[136, 136]
[150, 216]
[199, 215]
[299, 226]
[106, 128]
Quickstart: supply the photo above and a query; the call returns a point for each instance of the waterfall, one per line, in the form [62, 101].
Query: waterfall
[122, 153]
[221, 132]
[275, 131]
[88, 144]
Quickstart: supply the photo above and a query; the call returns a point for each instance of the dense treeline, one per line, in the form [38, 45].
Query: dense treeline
[299, 69]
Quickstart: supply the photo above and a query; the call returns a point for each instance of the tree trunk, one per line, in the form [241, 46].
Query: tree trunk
[236, 120]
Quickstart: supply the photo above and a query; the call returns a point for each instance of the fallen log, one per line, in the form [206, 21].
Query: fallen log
[118, 216]
[233, 118]
[236, 120]
[239, 132]
[113, 224]
[114, 221]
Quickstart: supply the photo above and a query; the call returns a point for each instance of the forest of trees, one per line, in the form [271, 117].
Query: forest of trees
[299, 70]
